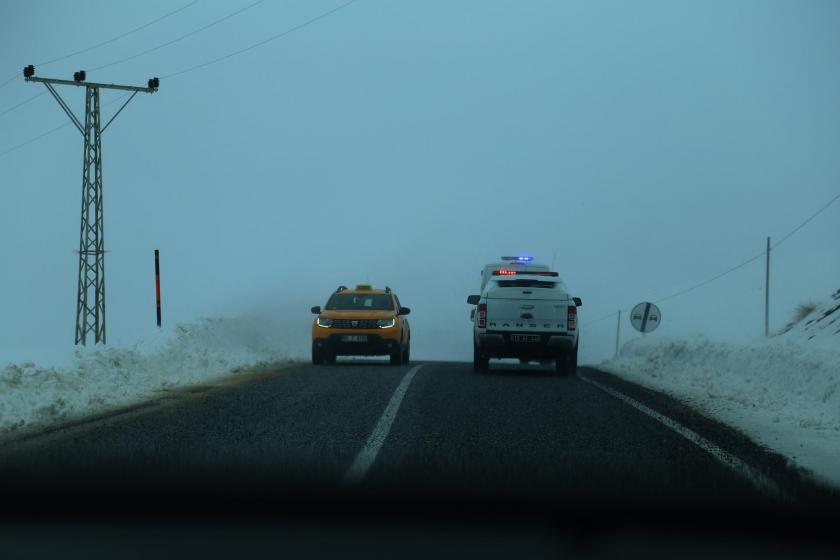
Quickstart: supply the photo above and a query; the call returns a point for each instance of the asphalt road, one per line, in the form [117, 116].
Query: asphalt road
[364, 436]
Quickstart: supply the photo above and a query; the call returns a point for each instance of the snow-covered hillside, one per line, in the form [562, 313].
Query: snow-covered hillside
[784, 391]
[100, 377]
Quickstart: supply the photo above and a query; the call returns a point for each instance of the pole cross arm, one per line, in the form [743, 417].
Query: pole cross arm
[118, 112]
[90, 84]
[64, 106]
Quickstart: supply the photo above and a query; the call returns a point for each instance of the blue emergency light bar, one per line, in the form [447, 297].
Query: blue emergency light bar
[518, 259]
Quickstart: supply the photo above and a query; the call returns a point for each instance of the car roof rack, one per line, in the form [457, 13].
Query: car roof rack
[341, 288]
[387, 290]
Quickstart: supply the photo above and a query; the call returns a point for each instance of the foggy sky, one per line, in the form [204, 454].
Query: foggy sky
[643, 147]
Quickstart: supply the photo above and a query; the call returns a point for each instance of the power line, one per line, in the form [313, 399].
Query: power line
[181, 38]
[752, 259]
[734, 268]
[147, 51]
[599, 319]
[22, 103]
[127, 33]
[686, 290]
[26, 143]
[710, 280]
[56, 129]
[197, 67]
[800, 226]
[10, 80]
[107, 42]
[263, 42]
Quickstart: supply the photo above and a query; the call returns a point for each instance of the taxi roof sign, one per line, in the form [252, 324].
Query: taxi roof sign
[364, 287]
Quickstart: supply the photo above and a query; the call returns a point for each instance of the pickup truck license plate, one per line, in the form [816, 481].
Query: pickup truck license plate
[354, 338]
[525, 337]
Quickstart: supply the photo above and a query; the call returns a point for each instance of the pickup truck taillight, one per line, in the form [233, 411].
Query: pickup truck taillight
[572, 323]
[482, 315]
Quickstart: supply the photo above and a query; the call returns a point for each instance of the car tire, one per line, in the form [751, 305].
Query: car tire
[329, 357]
[317, 356]
[567, 363]
[480, 361]
[572, 362]
[396, 358]
[406, 355]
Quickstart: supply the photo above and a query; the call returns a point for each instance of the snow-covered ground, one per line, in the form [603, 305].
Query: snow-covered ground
[97, 378]
[783, 391]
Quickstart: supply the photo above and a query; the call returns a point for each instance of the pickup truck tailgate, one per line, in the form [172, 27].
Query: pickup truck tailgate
[523, 310]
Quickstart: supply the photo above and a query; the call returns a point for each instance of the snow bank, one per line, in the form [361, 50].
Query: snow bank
[784, 392]
[101, 377]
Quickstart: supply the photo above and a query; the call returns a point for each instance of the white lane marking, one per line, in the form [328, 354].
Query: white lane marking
[761, 481]
[364, 460]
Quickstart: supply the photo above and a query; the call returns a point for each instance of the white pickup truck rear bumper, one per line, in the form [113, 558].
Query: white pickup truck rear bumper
[501, 345]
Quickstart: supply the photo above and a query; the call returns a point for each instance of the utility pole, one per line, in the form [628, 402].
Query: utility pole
[90, 303]
[767, 292]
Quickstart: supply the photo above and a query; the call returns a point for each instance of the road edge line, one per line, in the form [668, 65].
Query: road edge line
[364, 460]
[761, 481]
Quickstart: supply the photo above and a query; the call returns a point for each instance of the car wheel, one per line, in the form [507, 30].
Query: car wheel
[396, 357]
[567, 363]
[406, 355]
[480, 361]
[572, 365]
[329, 357]
[317, 356]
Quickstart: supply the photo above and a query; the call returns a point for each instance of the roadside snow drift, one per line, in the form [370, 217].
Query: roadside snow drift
[102, 377]
[784, 391]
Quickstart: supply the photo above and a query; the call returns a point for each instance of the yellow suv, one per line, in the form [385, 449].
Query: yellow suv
[361, 322]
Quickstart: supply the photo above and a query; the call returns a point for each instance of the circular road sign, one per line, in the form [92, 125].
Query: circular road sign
[645, 317]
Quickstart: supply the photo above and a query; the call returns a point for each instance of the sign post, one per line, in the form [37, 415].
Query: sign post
[617, 332]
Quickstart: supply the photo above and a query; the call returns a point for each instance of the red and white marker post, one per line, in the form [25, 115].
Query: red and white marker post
[157, 284]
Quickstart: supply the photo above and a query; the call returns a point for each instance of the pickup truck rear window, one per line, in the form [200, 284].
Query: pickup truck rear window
[526, 283]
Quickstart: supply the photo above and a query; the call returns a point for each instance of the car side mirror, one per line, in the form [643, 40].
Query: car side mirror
[404, 311]
[577, 301]
[316, 310]
[473, 300]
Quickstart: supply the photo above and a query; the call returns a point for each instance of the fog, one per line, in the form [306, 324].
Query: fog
[640, 147]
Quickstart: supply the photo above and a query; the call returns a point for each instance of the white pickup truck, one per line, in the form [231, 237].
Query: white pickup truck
[524, 311]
